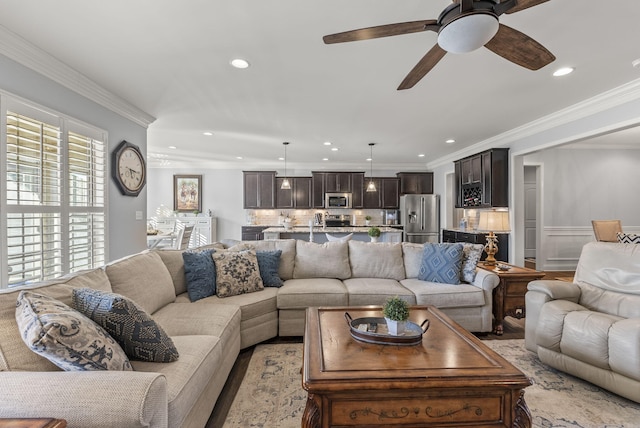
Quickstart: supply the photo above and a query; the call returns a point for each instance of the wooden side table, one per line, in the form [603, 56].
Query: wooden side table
[33, 423]
[508, 296]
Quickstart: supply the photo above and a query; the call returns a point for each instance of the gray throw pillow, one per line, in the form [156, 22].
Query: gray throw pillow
[138, 334]
[66, 337]
[441, 263]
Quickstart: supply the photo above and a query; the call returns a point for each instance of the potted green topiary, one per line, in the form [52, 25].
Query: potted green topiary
[374, 233]
[396, 313]
[367, 220]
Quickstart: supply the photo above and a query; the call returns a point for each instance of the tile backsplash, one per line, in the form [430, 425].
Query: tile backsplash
[302, 217]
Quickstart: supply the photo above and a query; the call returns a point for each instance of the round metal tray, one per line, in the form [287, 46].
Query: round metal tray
[374, 330]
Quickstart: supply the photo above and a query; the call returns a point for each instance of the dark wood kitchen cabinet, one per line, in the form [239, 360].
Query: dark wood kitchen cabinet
[337, 182]
[259, 189]
[253, 233]
[474, 237]
[299, 196]
[482, 180]
[386, 196]
[412, 183]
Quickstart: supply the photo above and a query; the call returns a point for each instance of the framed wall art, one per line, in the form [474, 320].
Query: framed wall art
[187, 193]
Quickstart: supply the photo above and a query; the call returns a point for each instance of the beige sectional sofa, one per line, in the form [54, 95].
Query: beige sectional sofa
[591, 328]
[210, 332]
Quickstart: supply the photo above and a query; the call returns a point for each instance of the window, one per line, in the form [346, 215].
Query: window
[54, 207]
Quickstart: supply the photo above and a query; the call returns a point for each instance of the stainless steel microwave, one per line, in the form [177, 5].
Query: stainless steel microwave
[337, 200]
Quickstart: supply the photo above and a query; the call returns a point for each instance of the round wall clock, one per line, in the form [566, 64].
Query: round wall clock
[128, 169]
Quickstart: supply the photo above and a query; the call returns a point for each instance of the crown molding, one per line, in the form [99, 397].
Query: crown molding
[597, 104]
[31, 56]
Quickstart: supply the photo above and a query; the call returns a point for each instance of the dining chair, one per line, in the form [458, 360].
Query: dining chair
[606, 230]
[183, 237]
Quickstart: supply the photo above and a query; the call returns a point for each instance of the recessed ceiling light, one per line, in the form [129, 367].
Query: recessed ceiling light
[563, 71]
[450, 141]
[239, 63]
[334, 149]
[327, 143]
[173, 147]
[239, 157]
[280, 159]
[421, 155]
[208, 134]
[325, 159]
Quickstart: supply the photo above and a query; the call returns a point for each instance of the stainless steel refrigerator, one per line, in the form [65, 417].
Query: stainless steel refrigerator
[420, 218]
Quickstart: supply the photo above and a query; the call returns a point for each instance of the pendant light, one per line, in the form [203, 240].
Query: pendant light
[371, 187]
[285, 183]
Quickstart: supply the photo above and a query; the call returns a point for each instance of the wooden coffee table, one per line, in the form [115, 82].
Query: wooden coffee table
[451, 379]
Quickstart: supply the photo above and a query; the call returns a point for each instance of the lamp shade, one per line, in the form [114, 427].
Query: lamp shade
[494, 221]
[468, 32]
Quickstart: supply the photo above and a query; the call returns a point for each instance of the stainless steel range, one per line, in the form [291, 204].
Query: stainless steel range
[337, 220]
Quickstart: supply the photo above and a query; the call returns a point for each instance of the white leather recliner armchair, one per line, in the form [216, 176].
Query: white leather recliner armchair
[591, 328]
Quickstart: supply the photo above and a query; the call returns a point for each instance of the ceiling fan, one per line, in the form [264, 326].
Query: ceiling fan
[463, 26]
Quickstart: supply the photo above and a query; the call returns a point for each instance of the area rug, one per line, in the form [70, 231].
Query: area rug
[271, 394]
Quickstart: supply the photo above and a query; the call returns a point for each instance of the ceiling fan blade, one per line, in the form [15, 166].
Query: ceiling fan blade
[423, 67]
[519, 48]
[525, 4]
[382, 31]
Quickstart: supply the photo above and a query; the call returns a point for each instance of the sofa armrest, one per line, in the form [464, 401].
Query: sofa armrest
[540, 292]
[486, 280]
[556, 289]
[86, 399]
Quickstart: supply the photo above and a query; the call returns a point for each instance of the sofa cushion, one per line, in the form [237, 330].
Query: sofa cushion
[376, 260]
[376, 291]
[585, 337]
[187, 378]
[624, 348]
[302, 293]
[471, 254]
[67, 338]
[237, 272]
[134, 330]
[269, 262]
[200, 273]
[287, 258]
[328, 260]
[174, 262]
[441, 263]
[143, 278]
[412, 257]
[445, 295]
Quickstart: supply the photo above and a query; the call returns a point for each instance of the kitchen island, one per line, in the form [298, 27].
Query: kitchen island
[319, 233]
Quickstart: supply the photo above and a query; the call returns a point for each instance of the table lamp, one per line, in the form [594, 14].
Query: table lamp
[493, 221]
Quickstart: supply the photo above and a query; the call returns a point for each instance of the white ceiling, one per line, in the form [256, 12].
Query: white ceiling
[171, 59]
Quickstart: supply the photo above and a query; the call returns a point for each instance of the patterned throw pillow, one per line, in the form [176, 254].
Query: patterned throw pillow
[268, 263]
[470, 258]
[65, 337]
[200, 273]
[237, 272]
[441, 263]
[139, 335]
[628, 238]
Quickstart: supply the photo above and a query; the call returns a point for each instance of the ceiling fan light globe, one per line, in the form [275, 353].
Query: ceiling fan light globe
[468, 32]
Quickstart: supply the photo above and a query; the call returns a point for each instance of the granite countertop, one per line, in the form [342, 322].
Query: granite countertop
[467, 230]
[320, 229]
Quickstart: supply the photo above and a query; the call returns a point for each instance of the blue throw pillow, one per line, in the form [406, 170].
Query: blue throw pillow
[441, 263]
[268, 262]
[200, 273]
